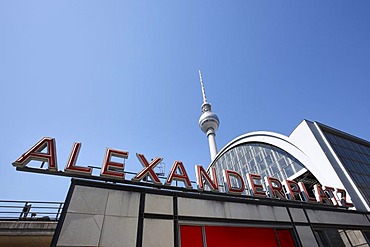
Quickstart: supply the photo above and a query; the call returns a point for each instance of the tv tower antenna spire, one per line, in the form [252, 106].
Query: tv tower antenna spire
[208, 121]
[202, 86]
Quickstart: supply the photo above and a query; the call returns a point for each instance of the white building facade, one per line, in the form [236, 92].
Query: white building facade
[313, 153]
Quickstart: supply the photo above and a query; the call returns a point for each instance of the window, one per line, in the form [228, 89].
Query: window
[219, 236]
[338, 238]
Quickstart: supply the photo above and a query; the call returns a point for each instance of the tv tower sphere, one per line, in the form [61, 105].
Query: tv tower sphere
[208, 120]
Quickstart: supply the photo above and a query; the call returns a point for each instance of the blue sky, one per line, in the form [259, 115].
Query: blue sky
[124, 74]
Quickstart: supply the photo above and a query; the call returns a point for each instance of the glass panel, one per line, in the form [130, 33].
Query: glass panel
[329, 238]
[285, 238]
[191, 236]
[217, 236]
[344, 238]
[258, 158]
[289, 171]
[335, 237]
[354, 155]
[297, 166]
[356, 238]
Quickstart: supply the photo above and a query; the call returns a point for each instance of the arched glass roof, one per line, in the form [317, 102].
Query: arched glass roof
[258, 158]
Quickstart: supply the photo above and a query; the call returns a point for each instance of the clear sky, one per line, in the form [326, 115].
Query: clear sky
[124, 74]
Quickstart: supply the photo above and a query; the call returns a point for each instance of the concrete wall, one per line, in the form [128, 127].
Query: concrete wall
[98, 214]
[26, 233]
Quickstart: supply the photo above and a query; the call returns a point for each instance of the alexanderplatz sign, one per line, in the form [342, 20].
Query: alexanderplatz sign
[45, 151]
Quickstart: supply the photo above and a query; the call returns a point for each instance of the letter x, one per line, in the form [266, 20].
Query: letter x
[148, 169]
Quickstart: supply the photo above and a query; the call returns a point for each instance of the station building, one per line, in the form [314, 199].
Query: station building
[241, 206]
[147, 215]
[105, 214]
[262, 189]
[314, 154]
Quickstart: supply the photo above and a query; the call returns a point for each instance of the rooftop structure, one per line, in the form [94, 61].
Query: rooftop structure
[313, 154]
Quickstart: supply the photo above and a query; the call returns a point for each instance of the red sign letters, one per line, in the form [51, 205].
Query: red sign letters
[255, 185]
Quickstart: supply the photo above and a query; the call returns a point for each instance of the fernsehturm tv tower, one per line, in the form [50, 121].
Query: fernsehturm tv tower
[208, 121]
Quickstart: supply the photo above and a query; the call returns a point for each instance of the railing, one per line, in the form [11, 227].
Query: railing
[30, 210]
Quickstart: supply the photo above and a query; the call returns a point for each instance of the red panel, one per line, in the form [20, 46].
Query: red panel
[285, 238]
[191, 236]
[218, 236]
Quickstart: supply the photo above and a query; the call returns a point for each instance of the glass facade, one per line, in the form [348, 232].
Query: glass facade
[341, 238]
[258, 158]
[216, 236]
[355, 156]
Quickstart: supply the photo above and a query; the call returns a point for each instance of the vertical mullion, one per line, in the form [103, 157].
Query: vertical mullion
[295, 235]
[140, 224]
[204, 237]
[176, 227]
[277, 237]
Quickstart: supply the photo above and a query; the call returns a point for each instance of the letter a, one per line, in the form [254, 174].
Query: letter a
[35, 153]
